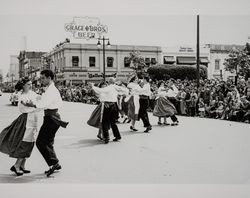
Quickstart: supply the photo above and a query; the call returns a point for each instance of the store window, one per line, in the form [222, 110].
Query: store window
[126, 62]
[75, 61]
[147, 61]
[110, 61]
[217, 64]
[92, 61]
[153, 61]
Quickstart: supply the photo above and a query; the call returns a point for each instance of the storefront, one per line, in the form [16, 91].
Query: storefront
[185, 55]
[69, 78]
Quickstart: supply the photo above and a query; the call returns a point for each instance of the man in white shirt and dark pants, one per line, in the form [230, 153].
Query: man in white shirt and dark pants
[144, 104]
[50, 101]
[110, 113]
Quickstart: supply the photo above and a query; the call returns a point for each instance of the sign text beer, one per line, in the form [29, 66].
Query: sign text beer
[86, 28]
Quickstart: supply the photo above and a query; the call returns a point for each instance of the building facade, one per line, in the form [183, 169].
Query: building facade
[218, 55]
[76, 63]
[30, 63]
[80, 63]
[13, 73]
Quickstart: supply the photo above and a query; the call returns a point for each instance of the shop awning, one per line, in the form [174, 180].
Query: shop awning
[204, 60]
[186, 60]
[169, 59]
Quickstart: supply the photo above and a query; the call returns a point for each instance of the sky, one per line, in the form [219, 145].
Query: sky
[142, 23]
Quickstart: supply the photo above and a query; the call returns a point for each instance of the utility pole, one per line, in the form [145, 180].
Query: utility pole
[198, 51]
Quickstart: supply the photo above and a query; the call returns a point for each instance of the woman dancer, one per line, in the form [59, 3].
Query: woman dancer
[133, 101]
[95, 119]
[164, 108]
[17, 140]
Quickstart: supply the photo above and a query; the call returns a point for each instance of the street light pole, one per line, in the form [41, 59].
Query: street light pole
[104, 60]
[104, 71]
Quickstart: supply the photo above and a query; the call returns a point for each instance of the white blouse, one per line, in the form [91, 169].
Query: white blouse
[32, 119]
[26, 97]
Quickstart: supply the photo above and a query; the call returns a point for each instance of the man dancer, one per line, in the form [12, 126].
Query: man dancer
[110, 94]
[144, 104]
[50, 101]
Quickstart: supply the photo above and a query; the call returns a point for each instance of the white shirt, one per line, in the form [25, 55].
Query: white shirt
[161, 92]
[135, 88]
[26, 97]
[109, 93]
[51, 98]
[31, 130]
[172, 93]
[145, 90]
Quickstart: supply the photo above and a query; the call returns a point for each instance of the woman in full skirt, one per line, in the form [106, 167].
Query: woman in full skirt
[164, 108]
[95, 119]
[17, 140]
[133, 102]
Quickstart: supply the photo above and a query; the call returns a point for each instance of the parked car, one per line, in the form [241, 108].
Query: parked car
[14, 98]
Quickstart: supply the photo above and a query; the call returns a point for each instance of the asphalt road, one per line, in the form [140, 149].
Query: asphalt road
[198, 151]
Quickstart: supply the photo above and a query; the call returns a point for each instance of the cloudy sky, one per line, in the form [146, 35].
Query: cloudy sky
[129, 22]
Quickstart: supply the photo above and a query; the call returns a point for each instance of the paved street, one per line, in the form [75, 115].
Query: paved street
[197, 151]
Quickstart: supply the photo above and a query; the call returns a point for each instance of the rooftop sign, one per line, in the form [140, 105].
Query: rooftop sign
[86, 28]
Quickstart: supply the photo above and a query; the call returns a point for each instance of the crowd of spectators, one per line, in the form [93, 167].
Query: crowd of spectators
[78, 93]
[213, 99]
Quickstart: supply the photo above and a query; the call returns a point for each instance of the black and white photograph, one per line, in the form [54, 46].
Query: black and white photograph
[125, 99]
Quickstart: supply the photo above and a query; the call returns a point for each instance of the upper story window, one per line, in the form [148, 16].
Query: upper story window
[217, 64]
[92, 61]
[75, 61]
[110, 61]
[126, 62]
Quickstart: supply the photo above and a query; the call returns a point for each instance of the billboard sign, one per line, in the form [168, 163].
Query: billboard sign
[86, 28]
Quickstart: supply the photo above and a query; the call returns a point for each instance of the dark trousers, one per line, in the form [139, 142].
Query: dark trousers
[192, 111]
[174, 118]
[143, 114]
[45, 140]
[110, 115]
[176, 103]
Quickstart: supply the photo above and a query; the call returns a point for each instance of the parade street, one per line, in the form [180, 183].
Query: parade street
[199, 150]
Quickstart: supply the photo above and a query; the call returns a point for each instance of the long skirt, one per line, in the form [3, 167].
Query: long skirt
[164, 108]
[124, 107]
[133, 110]
[12, 139]
[95, 119]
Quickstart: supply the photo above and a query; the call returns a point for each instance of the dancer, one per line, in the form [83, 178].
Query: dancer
[110, 111]
[164, 108]
[18, 139]
[95, 119]
[133, 101]
[145, 92]
[50, 102]
[172, 94]
[121, 104]
[124, 105]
